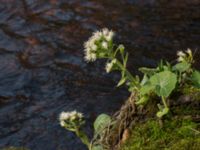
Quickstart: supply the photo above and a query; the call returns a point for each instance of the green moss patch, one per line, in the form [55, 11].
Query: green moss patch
[175, 134]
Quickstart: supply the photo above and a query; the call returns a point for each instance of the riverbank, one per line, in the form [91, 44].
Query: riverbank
[180, 132]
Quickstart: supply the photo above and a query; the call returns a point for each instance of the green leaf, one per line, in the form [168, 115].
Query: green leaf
[142, 100]
[196, 78]
[101, 122]
[122, 81]
[147, 88]
[101, 55]
[166, 68]
[144, 80]
[125, 59]
[181, 67]
[163, 83]
[161, 66]
[121, 48]
[148, 71]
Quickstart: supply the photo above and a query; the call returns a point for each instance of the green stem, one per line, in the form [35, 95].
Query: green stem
[84, 138]
[127, 73]
[164, 102]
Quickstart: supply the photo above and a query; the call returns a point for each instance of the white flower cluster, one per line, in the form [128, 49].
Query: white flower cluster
[69, 116]
[109, 65]
[98, 41]
[183, 56]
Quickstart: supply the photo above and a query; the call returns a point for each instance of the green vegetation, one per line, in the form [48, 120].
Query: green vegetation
[174, 135]
[155, 93]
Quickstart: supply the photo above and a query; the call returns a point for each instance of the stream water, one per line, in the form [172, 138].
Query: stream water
[42, 71]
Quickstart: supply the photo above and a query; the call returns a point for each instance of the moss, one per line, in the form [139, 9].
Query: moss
[186, 110]
[175, 134]
[191, 91]
[186, 144]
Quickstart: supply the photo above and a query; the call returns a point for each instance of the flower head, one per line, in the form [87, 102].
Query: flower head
[185, 56]
[180, 59]
[97, 44]
[105, 45]
[108, 35]
[110, 65]
[189, 52]
[67, 117]
[181, 54]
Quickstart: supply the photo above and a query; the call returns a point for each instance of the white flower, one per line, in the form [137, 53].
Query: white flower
[97, 35]
[80, 115]
[90, 56]
[86, 45]
[109, 65]
[62, 123]
[72, 118]
[109, 36]
[189, 51]
[94, 47]
[65, 116]
[181, 54]
[99, 38]
[105, 45]
[93, 57]
[180, 59]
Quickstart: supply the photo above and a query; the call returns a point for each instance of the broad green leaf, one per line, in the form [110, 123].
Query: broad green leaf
[163, 83]
[182, 67]
[101, 122]
[148, 71]
[196, 78]
[122, 81]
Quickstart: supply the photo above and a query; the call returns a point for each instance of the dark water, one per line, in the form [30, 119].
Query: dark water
[42, 71]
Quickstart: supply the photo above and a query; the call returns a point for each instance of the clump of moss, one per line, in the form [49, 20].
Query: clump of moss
[175, 134]
[192, 91]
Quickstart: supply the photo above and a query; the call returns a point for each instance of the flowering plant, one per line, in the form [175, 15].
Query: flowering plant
[73, 121]
[101, 45]
[162, 80]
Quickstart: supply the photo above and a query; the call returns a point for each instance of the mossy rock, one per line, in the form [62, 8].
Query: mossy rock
[175, 134]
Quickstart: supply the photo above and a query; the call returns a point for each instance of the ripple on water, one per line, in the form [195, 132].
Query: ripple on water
[13, 77]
